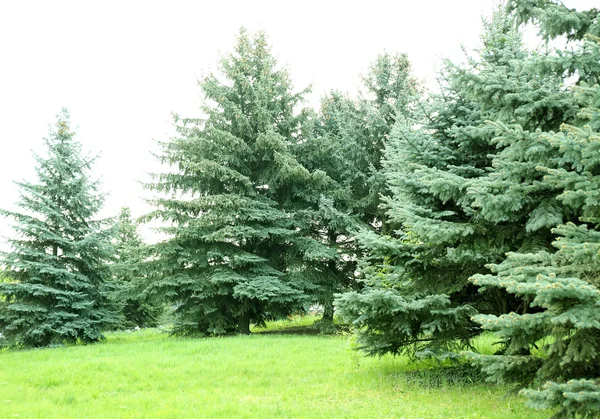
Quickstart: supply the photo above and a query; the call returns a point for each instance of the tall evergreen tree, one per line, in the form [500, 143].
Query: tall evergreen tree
[129, 277]
[234, 255]
[419, 297]
[57, 269]
[556, 342]
[347, 144]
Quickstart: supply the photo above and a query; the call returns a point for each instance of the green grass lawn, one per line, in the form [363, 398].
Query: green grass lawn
[149, 374]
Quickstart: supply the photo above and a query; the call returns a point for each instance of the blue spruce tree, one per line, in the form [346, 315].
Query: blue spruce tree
[56, 288]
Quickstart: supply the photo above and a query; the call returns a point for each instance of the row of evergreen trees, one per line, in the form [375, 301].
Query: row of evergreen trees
[259, 205]
[264, 196]
[434, 217]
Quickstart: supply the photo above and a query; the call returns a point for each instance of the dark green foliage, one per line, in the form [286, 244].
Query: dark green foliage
[351, 134]
[347, 144]
[388, 322]
[129, 277]
[459, 374]
[57, 269]
[234, 255]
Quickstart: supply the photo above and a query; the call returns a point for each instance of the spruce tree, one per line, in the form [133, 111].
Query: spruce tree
[419, 298]
[553, 345]
[346, 143]
[234, 255]
[57, 268]
[129, 277]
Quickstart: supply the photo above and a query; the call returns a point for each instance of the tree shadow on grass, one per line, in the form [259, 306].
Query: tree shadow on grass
[292, 330]
[453, 375]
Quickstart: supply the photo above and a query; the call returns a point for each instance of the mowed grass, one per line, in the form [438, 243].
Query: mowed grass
[148, 374]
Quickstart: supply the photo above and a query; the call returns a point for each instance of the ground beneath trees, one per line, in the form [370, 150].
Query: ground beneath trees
[149, 374]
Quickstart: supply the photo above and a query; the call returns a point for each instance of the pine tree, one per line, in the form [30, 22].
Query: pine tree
[129, 276]
[419, 298]
[57, 269]
[234, 255]
[555, 343]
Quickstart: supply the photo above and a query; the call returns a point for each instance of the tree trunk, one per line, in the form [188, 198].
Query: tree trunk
[244, 323]
[328, 310]
[501, 301]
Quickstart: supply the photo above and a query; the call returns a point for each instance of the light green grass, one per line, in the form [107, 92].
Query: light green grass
[286, 324]
[149, 374]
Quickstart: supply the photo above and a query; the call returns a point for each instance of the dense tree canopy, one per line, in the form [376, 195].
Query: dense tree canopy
[346, 143]
[419, 296]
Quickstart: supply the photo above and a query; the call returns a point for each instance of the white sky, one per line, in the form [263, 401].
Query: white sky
[122, 67]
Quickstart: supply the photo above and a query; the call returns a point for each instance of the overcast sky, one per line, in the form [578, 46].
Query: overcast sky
[122, 67]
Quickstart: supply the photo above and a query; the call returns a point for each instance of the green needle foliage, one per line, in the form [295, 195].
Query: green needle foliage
[234, 255]
[347, 144]
[418, 296]
[55, 289]
[129, 276]
[554, 347]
